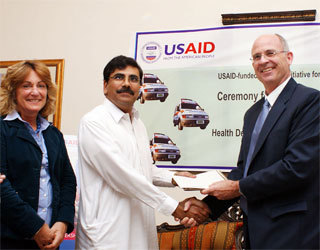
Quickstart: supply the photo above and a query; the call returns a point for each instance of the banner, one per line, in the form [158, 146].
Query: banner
[199, 83]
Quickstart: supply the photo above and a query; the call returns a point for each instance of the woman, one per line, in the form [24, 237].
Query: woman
[38, 192]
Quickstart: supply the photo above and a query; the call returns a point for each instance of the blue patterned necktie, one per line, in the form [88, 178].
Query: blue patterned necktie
[254, 137]
[255, 134]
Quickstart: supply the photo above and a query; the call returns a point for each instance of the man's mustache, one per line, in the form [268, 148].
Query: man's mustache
[125, 90]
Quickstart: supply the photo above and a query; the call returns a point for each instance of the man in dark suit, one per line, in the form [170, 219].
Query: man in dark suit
[277, 175]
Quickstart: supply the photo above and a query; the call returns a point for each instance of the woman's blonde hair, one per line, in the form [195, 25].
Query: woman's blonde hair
[16, 75]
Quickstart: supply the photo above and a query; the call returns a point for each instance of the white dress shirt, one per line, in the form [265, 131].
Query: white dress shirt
[273, 96]
[117, 197]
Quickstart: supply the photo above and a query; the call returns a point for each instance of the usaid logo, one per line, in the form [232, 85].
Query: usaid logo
[151, 52]
[191, 48]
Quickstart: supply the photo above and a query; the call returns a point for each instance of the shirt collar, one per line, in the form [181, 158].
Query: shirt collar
[15, 115]
[272, 97]
[117, 113]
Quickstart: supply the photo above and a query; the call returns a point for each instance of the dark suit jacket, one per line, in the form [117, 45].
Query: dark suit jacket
[21, 162]
[282, 186]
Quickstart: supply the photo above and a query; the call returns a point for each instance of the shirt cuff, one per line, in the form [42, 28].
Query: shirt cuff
[168, 206]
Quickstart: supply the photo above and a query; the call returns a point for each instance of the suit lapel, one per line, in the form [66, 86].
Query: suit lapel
[23, 132]
[51, 145]
[275, 113]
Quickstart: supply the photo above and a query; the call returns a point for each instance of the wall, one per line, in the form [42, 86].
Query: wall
[88, 33]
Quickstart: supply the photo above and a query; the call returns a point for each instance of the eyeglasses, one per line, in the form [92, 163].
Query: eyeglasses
[267, 54]
[120, 78]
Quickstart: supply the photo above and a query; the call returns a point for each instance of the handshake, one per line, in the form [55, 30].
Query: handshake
[191, 212]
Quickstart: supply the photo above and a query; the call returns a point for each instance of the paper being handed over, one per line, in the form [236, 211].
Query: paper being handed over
[202, 180]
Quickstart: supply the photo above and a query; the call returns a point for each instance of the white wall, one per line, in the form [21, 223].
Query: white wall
[88, 33]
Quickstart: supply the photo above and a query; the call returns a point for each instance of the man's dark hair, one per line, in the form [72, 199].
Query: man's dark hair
[120, 62]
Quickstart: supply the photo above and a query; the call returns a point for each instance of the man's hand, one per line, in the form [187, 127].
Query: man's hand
[223, 190]
[44, 236]
[194, 212]
[58, 229]
[183, 173]
[179, 213]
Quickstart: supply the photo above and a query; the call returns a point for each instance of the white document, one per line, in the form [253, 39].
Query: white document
[202, 180]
